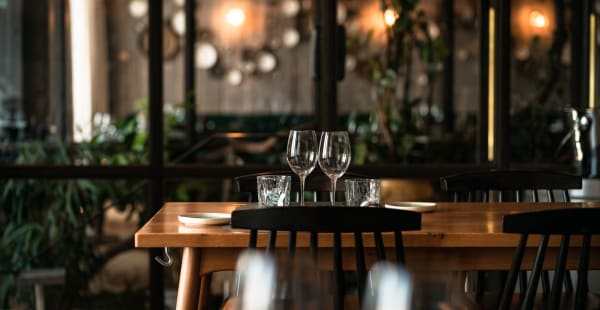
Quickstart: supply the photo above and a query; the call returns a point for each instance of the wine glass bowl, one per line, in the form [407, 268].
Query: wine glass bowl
[334, 156]
[301, 155]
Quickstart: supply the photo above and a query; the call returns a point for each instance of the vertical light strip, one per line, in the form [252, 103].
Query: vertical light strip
[81, 69]
[491, 82]
[592, 86]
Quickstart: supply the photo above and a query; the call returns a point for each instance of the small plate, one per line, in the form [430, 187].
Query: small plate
[411, 206]
[200, 219]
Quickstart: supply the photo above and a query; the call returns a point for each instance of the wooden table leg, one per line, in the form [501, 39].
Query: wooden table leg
[189, 279]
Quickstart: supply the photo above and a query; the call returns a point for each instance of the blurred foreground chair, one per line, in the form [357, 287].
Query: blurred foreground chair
[317, 183]
[565, 222]
[512, 186]
[336, 220]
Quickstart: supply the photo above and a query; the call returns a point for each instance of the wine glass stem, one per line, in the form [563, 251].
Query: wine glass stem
[302, 178]
[332, 195]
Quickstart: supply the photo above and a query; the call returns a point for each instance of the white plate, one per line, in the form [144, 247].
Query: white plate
[411, 206]
[199, 219]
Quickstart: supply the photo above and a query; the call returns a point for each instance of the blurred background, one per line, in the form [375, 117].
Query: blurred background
[93, 124]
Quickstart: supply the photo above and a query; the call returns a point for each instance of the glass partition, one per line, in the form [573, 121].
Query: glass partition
[411, 88]
[541, 73]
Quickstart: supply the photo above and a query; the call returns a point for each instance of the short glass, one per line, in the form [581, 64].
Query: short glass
[273, 190]
[362, 192]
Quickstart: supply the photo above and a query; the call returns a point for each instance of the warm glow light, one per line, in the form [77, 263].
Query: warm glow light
[537, 19]
[389, 17]
[81, 70]
[138, 8]
[235, 17]
[178, 22]
[592, 51]
[491, 83]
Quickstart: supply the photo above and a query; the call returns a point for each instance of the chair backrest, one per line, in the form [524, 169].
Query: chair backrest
[510, 185]
[565, 222]
[316, 182]
[334, 220]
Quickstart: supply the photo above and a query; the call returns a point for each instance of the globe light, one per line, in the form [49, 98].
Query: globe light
[178, 22]
[138, 8]
[206, 55]
[234, 77]
[290, 8]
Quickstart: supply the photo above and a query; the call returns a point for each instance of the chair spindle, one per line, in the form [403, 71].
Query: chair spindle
[582, 287]
[361, 268]
[338, 271]
[314, 245]
[399, 245]
[252, 240]
[272, 240]
[291, 244]
[379, 246]
[513, 274]
[535, 273]
[559, 272]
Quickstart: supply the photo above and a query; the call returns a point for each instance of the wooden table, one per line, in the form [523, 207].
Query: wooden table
[456, 236]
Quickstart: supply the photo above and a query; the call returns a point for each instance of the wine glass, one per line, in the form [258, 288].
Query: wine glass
[334, 156]
[302, 155]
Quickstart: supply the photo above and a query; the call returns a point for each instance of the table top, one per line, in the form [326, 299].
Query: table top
[450, 225]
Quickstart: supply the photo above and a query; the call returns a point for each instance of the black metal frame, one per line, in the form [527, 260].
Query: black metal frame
[502, 84]
[482, 120]
[325, 97]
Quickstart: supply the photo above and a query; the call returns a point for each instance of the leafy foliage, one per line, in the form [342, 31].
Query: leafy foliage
[395, 125]
[57, 223]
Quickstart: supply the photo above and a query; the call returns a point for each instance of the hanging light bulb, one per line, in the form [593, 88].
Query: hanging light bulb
[389, 17]
[537, 19]
[235, 17]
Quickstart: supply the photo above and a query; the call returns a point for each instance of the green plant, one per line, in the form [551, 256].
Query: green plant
[57, 223]
[394, 124]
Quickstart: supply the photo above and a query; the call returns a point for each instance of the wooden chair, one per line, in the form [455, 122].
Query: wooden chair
[316, 183]
[512, 186]
[336, 220]
[565, 222]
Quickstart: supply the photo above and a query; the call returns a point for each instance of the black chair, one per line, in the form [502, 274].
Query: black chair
[512, 186]
[565, 222]
[336, 220]
[316, 183]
